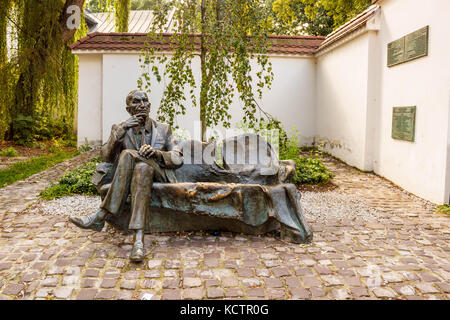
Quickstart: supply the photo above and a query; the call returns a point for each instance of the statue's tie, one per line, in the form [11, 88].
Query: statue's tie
[142, 136]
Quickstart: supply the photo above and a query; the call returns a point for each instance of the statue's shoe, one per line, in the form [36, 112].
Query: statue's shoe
[88, 222]
[137, 253]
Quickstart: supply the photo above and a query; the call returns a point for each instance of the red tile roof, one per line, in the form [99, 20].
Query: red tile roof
[296, 45]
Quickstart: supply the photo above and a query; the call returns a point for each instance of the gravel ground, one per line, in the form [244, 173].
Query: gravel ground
[317, 206]
[324, 206]
[67, 206]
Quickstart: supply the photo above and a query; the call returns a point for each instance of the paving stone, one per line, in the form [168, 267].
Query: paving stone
[132, 275]
[63, 292]
[192, 282]
[171, 294]
[359, 292]
[154, 263]
[427, 288]
[321, 269]
[280, 272]
[331, 280]
[13, 289]
[214, 293]
[150, 283]
[428, 277]
[230, 282]
[340, 294]
[211, 283]
[311, 281]
[171, 284]
[445, 287]
[128, 284]
[405, 290]
[70, 280]
[262, 272]
[108, 283]
[245, 272]
[5, 265]
[86, 294]
[43, 292]
[89, 283]
[255, 292]
[92, 273]
[251, 282]
[233, 293]
[299, 293]
[106, 294]
[392, 277]
[193, 293]
[124, 295]
[276, 294]
[49, 282]
[384, 293]
[317, 292]
[292, 282]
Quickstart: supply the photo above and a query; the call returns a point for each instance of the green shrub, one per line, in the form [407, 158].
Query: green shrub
[85, 147]
[39, 127]
[77, 181]
[10, 152]
[311, 171]
[445, 209]
[69, 143]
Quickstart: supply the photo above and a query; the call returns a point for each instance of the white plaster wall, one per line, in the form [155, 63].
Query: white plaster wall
[421, 166]
[291, 98]
[90, 99]
[341, 98]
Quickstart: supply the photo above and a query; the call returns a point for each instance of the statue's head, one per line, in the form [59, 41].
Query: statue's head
[138, 104]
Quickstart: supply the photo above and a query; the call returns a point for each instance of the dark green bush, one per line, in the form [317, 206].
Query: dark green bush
[40, 127]
[311, 171]
[77, 181]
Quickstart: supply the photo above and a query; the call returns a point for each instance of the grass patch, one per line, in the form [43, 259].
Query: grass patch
[445, 209]
[77, 181]
[10, 152]
[23, 169]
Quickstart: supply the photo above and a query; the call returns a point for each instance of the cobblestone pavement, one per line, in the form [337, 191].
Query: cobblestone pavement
[403, 253]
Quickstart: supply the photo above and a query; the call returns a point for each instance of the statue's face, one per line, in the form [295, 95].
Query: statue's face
[138, 104]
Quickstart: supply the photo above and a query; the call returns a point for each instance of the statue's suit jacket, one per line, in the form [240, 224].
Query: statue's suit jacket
[161, 139]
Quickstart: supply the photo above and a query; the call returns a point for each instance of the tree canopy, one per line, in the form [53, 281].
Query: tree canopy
[314, 17]
[39, 74]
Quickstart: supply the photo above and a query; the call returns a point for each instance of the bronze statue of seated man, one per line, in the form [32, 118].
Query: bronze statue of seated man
[142, 151]
[150, 181]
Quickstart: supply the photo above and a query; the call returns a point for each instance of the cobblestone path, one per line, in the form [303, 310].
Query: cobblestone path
[402, 254]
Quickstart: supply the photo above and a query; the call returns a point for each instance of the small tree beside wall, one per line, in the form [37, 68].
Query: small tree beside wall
[225, 35]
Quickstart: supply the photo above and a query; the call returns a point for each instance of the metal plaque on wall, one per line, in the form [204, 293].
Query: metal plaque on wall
[404, 123]
[409, 47]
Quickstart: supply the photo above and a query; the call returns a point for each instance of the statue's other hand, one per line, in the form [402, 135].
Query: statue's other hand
[131, 123]
[146, 151]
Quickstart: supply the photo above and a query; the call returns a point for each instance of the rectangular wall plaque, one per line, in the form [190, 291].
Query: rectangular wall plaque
[409, 47]
[404, 123]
